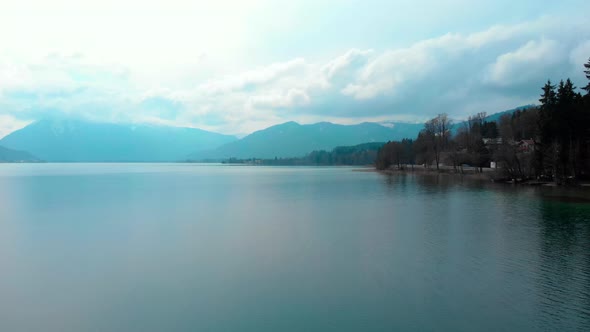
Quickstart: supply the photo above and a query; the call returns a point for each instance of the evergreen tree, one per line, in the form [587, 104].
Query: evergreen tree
[585, 130]
[545, 155]
[548, 101]
[548, 97]
[587, 72]
[489, 129]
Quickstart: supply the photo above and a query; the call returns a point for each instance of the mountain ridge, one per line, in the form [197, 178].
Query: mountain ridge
[291, 139]
[75, 140]
[16, 156]
[62, 139]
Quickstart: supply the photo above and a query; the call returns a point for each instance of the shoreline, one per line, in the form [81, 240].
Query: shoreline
[487, 174]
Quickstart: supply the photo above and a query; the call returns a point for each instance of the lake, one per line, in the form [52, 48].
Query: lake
[190, 247]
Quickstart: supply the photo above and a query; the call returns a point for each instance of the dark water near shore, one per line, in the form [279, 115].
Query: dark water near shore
[177, 247]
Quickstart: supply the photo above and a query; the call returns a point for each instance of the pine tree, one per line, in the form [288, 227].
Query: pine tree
[545, 155]
[587, 72]
[567, 95]
[585, 111]
[548, 97]
[548, 102]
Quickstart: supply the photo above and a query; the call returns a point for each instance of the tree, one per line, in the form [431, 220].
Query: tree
[395, 153]
[565, 121]
[587, 72]
[423, 150]
[436, 132]
[548, 98]
[505, 128]
[563, 132]
[489, 129]
[443, 128]
[521, 125]
[429, 135]
[550, 140]
[546, 154]
[585, 134]
[525, 124]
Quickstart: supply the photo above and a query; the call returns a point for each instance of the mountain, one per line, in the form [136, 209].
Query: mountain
[72, 140]
[295, 140]
[495, 117]
[15, 156]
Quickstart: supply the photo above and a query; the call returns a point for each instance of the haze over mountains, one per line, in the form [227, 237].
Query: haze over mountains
[75, 140]
[15, 156]
[69, 140]
[291, 139]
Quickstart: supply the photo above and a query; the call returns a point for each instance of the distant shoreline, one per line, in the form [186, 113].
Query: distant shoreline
[487, 174]
[470, 172]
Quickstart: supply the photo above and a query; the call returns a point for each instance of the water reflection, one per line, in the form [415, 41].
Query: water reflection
[534, 241]
[182, 248]
[564, 272]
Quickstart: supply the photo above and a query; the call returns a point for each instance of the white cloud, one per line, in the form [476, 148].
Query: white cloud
[293, 98]
[9, 123]
[368, 90]
[387, 71]
[581, 54]
[525, 63]
[490, 70]
[353, 59]
[263, 75]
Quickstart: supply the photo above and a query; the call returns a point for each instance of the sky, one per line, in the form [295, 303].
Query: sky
[239, 66]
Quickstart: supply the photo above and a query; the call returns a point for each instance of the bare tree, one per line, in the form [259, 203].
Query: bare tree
[443, 128]
[437, 132]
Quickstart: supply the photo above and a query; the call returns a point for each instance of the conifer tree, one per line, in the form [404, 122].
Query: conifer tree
[587, 72]
[548, 97]
[548, 101]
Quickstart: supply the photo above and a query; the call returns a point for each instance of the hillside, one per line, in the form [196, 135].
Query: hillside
[15, 156]
[71, 140]
[295, 140]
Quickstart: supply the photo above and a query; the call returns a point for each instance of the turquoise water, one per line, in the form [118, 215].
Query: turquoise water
[183, 247]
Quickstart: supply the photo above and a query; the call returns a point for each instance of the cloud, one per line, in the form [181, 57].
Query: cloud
[580, 54]
[292, 98]
[253, 78]
[459, 73]
[159, 107]
[384, 74]
[352, 60]
[526, 63]
[9, 123]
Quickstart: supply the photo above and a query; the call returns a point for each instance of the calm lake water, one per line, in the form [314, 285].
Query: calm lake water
[182, 247]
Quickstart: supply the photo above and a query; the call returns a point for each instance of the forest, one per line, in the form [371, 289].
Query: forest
[548, 142]
[362, 154]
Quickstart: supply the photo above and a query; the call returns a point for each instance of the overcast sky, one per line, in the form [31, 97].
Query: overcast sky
[238, 66]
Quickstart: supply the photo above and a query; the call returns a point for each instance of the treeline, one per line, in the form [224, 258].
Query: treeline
[548, 142]
[441, 143]
[362, 154]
